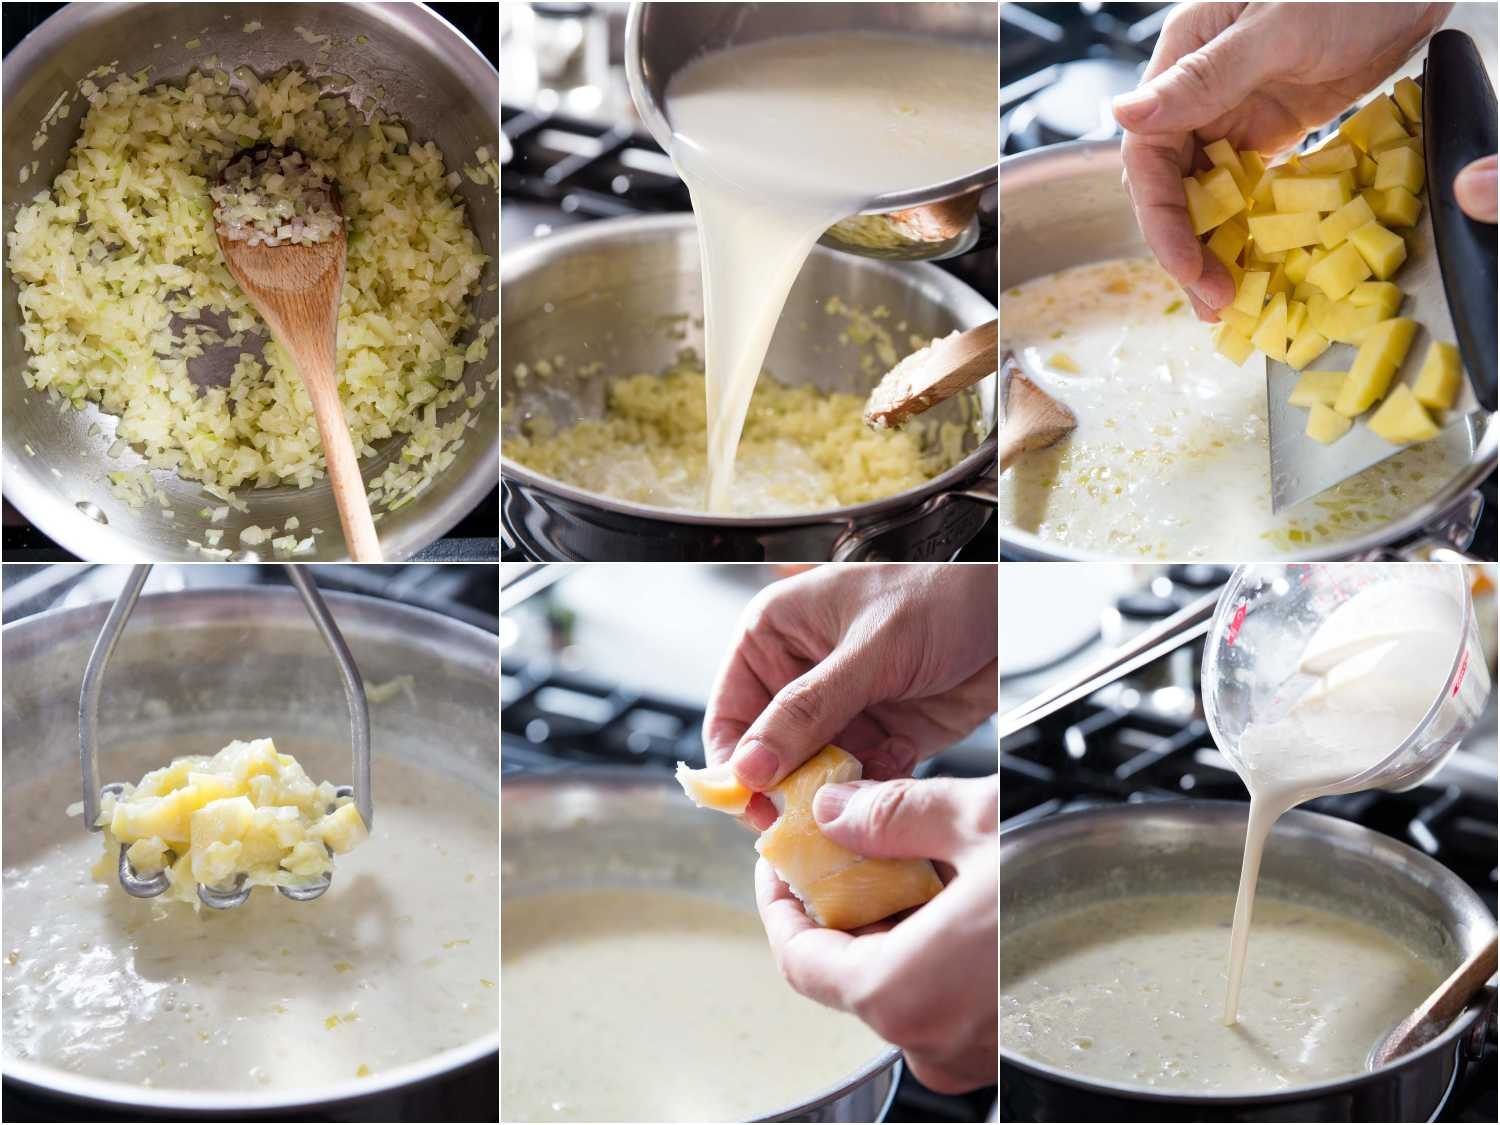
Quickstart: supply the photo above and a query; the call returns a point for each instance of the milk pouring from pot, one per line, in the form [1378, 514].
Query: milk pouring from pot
[1367, 678]
[780, 139]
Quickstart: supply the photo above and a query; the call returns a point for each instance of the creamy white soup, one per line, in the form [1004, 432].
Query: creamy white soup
[1170, 458]
[396, 962]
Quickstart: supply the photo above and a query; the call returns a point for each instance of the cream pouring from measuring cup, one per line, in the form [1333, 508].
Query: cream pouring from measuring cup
[1377, 664]
[780, 139]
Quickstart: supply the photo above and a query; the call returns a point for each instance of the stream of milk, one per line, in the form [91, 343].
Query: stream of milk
[1379, 662]
[780, 139]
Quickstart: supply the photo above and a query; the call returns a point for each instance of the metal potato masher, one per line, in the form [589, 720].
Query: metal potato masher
[88, 737]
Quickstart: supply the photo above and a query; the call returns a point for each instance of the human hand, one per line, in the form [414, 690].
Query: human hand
[891, 663]
[928, 983]
[1474, 189]
[1262, 75]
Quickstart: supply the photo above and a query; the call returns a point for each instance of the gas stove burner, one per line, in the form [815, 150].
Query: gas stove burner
[1075, 106]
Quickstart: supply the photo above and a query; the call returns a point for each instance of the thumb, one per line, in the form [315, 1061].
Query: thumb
[1198, 88]
[935, 819]
[1475, 190]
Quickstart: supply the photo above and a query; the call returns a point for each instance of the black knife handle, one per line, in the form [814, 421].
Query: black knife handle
[1458, 127]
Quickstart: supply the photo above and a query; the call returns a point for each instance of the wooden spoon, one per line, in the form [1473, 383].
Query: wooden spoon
[1439, 1009]
[1032, 419]
[932, 374]
[295, 287]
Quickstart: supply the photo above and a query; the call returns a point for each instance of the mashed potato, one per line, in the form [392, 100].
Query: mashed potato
[802, 449]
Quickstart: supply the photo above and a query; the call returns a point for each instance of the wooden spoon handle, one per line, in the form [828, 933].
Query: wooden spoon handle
[338, 452]
[953, 364]
[1440, 1009]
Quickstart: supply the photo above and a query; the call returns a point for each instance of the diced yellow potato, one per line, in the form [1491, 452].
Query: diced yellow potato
[1296, 317]
[1270, 333]
[1408, 98]
[148, 855]
[1205, 210]
[1222, 155]
[1398, 208]
[343, 829]
[1364, 171]
[216, 864]
[1251, 295]
[308, 858]
[1305, 290]
[1253, 164]
[1325, 424]
[1384, 250]
[1337, 157]
[1317, 386]
[214, 786]
[1297, 262]
[1279, 282]
[222, 821]
[1380, 355]
[1260, 194]
[1377, 121]
[1272, 233]
[1336, 227]
[1062, 361]
[274, 832]
[1345, 322]
[1412, 143]
[1220, 183]
[1340, 272]
[1309, 193]
[1227, 240]
[1440, 378]
[1305, 347]
[1402, 420]
[1400, 167]
[165, 816]
[1258, 259]
[1383, 295]
[1243, 323]
[1233, 345]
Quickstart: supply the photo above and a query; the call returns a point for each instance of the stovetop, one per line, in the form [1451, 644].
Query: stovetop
[557, 171]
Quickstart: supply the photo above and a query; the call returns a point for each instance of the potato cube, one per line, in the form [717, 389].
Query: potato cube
[1232, 344]
[342, 830]
[1336, 227]
[1205, 210]
[1296, 317]
[1383, 295]
[1297, 263]
[1222, 155]
[1384, 250]
[1412, 143]
[1270, 333]
[1251, 295]
[1398, 208]
[1254, 165]
[1440, 378]
[217, 864]
[1317, 386]
[1241, 322]
[1402, 420]
[307, 859]
[1305, 347]
[1400, 167]
[1220, 183]
[1325, 424]
[1340, 272]
[1258, 259]
[1272, 233]
[1345, 322]
[1408, 98]
[1380, 356]
[147, 855]
[223, 821]
[1364, 171]
[1337, 157]
[1379, 120]
[1279, 282]
[1227, 240]
[1260, 194]
[1309, 193]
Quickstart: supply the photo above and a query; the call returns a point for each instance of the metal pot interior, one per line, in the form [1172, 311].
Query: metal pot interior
[426, 73]
[624, 296]
[191, 667]
[1052, 865]
[1064, 206]
[611, 827]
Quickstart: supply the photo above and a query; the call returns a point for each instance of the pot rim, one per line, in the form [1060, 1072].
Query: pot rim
[518, 262]
[1030, 167]
[1214, 810]
[654, 116]
[82, 536]
[219, 604]
[626, 777]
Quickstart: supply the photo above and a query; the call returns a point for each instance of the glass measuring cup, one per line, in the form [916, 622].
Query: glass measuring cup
[1265, 616]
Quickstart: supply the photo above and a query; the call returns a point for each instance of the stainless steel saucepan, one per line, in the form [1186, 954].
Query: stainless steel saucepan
[623, 296]
[194, 665]
[1064, 206]
[618, 827]
[1081, 858]
[412, 63]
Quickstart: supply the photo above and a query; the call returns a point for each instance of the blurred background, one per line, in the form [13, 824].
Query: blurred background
[1144, 738]
[612, 665]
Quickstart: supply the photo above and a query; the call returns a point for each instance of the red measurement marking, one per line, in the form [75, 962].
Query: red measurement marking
[1234, 625]
[1463, 667]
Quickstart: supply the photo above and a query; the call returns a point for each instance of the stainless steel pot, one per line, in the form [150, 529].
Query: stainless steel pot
[1053, 863]
[189, 667]
[622, 827]
[624, 296]
[430, 75]
[937, 221]
[1064, 206]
